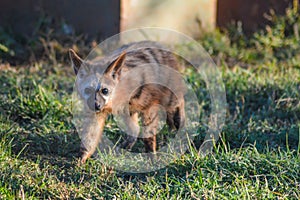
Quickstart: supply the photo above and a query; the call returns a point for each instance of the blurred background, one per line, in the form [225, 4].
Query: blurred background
[27, 26]
[31, 29]
[101, 19]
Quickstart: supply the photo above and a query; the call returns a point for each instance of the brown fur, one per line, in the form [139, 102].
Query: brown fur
[141, 79]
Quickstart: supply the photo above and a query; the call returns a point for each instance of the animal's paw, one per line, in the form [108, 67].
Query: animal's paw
[84, 157]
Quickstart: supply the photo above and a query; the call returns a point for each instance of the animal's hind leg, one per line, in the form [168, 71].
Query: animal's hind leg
[150, 124]
[176, 118]
[132, 131]
[170, 121]
[150, 138]
[179, 116]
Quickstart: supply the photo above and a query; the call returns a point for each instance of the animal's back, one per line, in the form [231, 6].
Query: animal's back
[146, 52]
[150, 77]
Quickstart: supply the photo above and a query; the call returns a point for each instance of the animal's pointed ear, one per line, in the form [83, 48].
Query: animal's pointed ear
[115, 67]
[76, 60]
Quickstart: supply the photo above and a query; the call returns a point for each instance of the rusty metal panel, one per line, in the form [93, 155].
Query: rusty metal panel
[249, 12]
[97, 18]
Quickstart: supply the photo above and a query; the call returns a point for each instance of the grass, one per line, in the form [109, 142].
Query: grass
[257, 157]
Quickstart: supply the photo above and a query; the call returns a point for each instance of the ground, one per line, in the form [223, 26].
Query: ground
[257, 157]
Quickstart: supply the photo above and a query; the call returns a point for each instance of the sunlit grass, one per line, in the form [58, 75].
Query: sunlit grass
[257, 156]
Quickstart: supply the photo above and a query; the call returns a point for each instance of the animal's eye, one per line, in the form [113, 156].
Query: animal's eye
[104, 91]
[88, 90]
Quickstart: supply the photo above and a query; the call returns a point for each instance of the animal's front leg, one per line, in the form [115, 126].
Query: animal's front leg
[91, 134]
[132, 131]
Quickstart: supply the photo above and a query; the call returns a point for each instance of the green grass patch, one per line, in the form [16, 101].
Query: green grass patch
[257, 156]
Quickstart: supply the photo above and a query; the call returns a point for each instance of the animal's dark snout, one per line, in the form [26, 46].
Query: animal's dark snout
[94, 102]
[98, 101]
[97, 106]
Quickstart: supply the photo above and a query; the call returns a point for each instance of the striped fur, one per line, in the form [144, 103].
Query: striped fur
[141, 78]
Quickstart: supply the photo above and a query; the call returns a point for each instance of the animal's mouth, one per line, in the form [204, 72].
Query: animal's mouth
[97, 107]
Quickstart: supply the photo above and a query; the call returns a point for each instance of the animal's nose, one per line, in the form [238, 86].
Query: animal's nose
[97, 106]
